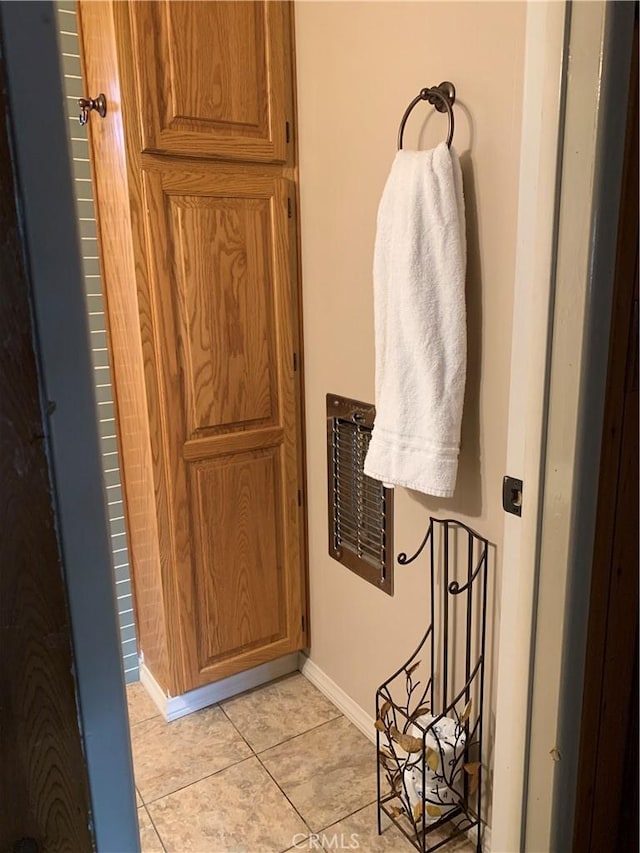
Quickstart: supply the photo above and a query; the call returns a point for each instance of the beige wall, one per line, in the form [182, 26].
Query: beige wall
[359, 64]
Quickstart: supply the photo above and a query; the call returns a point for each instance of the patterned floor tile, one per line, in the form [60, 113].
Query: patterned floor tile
[279, 711]
[149, 841]
[139, 704]
[327, 773]
[168, 756]
[239, 810]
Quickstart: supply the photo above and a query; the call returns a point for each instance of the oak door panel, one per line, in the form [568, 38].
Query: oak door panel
[224, 339]
[239, 578]
[230, 376]
[211, 77]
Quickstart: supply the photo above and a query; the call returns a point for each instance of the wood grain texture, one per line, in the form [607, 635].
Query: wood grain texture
[222, 267]
[43, 786]
[210, 47]
[235, 442]
[240, 572]
[211, 78]
[218, 324]
[189, 285]
[126, 322]
[295, 261]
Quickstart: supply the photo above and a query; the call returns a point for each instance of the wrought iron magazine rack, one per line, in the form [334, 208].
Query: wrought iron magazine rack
[429, 713]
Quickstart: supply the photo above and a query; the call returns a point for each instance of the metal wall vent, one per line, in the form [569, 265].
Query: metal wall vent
[360, 508]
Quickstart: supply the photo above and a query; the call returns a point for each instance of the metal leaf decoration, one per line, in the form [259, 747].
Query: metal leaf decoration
[419, 712]
[394, 782]
[380, 723]
[385, 761]
[407, 742]
[433, 811]
[433, 759]
[467, 711]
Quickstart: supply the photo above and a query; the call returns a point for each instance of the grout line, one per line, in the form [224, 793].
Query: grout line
[284, 794]
[197, 781]
[293, 737]
[144, 806]
[255, 755]
[347, 816]
[206, 776]
[300, 734]
[259, 687]
[145, 720]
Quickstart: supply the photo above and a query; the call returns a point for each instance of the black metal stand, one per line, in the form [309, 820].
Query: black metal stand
[429, 713]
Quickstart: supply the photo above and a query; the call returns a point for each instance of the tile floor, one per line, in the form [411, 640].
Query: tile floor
[276, 769]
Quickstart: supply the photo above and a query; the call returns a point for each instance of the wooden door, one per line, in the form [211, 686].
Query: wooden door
[224, 344]
[199, 263]
[211, 78]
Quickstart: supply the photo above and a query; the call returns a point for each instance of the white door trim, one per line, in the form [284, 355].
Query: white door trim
[40, 136]
[533, 293]
[594, 138]
[574, 109]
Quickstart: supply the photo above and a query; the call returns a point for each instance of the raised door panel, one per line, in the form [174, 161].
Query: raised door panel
[212, 77]
[242, 602]
[228, 328]
[224, 340]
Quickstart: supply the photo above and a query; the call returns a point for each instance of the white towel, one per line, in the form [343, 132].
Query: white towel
[420, 323]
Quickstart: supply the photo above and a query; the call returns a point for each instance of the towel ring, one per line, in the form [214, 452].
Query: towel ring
[442, 97]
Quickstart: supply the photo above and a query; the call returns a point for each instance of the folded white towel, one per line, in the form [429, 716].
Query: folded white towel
[420, 323]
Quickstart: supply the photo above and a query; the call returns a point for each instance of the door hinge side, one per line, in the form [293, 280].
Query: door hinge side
[289, 208]
[304, 623]
[295, 361]
[287, 131]
[299, 497]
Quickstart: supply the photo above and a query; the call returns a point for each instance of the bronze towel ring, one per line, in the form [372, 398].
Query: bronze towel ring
[442, 97]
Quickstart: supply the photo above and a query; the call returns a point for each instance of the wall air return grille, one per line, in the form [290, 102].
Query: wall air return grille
[360, 508]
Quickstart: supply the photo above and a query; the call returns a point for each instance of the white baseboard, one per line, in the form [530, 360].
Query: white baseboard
[352, 711]
[173, 707]
[153, 689]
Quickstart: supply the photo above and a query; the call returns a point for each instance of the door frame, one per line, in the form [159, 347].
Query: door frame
[40, 740]
[49, 221]
[593, 157]
[576, 77]
[542, 116]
